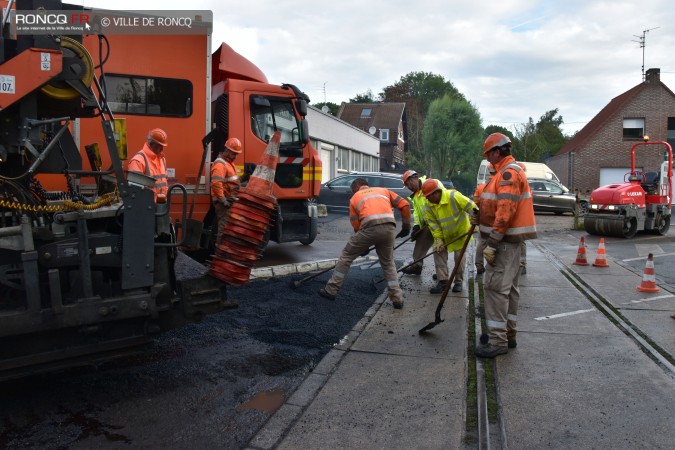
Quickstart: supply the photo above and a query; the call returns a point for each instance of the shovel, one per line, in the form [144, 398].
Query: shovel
[447, 286]
[375, 283]
[298, 283]
[193, 228]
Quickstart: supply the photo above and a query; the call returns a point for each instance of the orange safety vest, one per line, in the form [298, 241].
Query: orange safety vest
[506, 211]
[150, 164]
[372, 206]
[478, 192]
[224, 179]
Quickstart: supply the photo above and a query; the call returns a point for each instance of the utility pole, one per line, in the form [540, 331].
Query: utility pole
[642, 40]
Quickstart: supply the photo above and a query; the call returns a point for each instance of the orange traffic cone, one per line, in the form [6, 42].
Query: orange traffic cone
[648, 279]
[600, 260]
[581, 254]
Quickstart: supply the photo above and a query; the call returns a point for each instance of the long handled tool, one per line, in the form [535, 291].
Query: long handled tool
[448, 284]
[375, 283]
[401, 243]
[193, 228]
[296, 284]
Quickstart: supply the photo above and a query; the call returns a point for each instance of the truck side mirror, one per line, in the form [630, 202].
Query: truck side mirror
[301, 107]
[304, 128]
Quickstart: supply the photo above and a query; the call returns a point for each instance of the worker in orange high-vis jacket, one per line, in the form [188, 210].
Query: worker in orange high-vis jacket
[372, 217]
[506, 219]
[150, 161]
[479, 260]
[225, 182]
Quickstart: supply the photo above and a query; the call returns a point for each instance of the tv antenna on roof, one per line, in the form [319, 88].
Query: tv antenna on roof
[642, 41]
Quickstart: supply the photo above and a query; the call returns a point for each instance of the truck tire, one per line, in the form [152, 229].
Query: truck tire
[313, 229]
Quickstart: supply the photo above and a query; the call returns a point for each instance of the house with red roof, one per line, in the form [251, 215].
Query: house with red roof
[599, 154]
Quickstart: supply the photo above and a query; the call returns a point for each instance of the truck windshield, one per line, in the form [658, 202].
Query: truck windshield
[272, 115]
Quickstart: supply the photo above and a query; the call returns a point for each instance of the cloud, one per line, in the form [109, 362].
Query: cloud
[513, 60]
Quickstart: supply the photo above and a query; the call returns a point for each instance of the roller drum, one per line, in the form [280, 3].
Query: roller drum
[610, 225]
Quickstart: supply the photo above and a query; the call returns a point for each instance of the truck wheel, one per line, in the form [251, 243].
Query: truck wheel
[313, 229]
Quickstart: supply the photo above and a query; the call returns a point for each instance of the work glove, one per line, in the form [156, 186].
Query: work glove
[490, 254]
[439, 246]
[474, 217]
[404, 232]
[415, 230]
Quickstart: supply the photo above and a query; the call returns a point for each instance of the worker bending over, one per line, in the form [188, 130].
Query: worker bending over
[372, 217]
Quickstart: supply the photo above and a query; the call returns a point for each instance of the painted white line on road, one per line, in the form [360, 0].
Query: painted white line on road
[571, 313]
[660, 297]
[644, 257]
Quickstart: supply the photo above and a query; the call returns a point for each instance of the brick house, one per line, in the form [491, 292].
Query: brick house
[384, 120]
[599, 153]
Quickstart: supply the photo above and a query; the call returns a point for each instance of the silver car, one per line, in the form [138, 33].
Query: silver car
[551, 196]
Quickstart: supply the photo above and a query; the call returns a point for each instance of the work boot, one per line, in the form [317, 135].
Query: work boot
[440, 287]
[512, 343]
[480, 270]
[325, 294]
[490, 351]
[412, 270]
[457, 287]
[398, 304]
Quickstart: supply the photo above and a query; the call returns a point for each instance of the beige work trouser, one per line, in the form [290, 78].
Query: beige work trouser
[459, 275]
[500, 285]
[479, 259]
[221, 219]
[423, 244]
[382, 237]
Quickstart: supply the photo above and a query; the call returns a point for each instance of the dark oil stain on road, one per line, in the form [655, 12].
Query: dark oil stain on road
[267, 401]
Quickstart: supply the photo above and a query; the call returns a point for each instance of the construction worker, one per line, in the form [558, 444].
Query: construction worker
[480, 245]
[506, 219]
[372, 217]
[421, 234]
[150, 161]
[447, 213]
[225, 182]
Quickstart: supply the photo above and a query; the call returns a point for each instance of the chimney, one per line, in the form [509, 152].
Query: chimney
[653, 76]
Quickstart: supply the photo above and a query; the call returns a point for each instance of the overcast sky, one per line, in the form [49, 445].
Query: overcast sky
[513, 60]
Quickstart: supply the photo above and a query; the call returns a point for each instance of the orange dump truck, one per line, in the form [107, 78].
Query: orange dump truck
[174, 83]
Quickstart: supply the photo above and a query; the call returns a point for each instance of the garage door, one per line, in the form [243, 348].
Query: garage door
[613, 175]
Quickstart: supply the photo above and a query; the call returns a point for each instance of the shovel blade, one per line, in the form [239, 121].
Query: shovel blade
[430, 325]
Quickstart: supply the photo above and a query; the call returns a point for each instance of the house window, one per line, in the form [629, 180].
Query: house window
[671, 130]
[384, 135]
[356, 162]
[365, 112]
[633, 128]
[343, 159]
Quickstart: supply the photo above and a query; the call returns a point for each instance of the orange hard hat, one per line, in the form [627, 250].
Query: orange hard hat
[234, 145]
[158, 135]
[495, 140]
[408, 174]
[430, 186]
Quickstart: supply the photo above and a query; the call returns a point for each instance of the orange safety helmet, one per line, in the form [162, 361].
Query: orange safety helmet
[408, 174]
[233, 145]
[430, 186]
[159, 136]
[495, 140]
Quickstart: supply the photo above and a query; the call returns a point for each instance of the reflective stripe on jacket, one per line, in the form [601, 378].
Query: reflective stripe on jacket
[449, 219]
[506, 211]
[224, 179]
[477, 193]
[373, 205]
[150, 164]
[419, 204]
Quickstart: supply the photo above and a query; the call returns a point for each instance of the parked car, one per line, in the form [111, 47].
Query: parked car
[551, 196]
[336, 193]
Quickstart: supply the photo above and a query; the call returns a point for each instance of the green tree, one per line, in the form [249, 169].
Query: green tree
[418, 90]
[452, 137]
[332, 107]
[365, 97]
[536, 142]
[498, 129]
